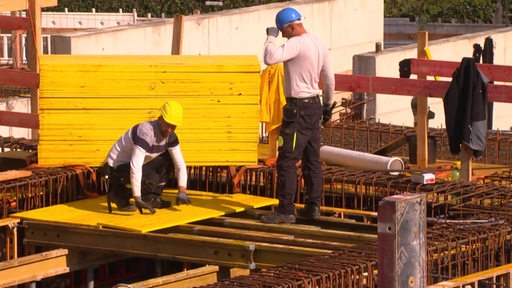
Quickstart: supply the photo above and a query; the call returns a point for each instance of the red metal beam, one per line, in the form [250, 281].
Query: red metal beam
[446, 68]
[19, 78]
[14, 23]
[388, 85]
[18, 119]
[410, 87]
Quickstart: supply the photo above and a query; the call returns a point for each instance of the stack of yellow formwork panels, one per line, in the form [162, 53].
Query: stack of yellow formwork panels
[87, 101]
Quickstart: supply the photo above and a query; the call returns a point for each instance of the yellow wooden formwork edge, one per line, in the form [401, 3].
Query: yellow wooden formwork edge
[94, 212]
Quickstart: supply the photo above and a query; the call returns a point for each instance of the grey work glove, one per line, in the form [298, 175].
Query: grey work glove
[182, 198]
[272, 31]
[141, 204]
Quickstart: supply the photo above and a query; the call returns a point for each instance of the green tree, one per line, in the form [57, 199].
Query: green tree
[445, 11]
[154, 7]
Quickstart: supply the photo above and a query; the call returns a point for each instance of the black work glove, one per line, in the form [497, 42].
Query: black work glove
[143, 205]
[327, 112]
[182, 198]
[272, 31]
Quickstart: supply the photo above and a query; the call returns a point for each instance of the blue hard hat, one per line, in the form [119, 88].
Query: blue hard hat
[285, 16]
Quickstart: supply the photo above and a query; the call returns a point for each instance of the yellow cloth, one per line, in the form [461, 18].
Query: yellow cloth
[272, 98]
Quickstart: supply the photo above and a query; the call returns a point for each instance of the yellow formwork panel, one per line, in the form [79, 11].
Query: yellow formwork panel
[87, 102]
[94, 212]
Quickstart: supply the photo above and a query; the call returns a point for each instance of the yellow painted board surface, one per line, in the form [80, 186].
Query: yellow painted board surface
[178, 62]
[91, 100]
[94, 212]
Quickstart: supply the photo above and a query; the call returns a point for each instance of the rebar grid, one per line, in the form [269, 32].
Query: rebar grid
[351, 267]
[369, 137]
[17, 144]
[458, 248]
[45, 187]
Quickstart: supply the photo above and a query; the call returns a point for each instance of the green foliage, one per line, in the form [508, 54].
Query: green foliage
[445, 11]
[154, 7]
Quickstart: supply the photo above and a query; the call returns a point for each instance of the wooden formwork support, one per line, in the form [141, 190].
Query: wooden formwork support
[8, 227]
[33, 268]
[191, 278]
[178, 247]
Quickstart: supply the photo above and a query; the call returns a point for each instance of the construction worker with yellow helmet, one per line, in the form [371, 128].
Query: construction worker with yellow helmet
[140, 163]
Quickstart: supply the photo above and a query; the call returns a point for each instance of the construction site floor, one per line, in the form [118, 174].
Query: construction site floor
[94, 211]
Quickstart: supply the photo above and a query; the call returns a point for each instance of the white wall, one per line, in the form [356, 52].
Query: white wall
[396, 109]
[347, 27]
[15, 104]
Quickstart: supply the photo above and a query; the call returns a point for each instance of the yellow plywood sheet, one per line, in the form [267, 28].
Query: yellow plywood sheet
[94, 212]
[90, 100]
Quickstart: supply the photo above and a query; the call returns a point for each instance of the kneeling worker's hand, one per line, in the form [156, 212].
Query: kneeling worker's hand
[143, 205]
[182, 198]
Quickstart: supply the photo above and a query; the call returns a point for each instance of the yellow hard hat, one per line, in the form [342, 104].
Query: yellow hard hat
[172, 112]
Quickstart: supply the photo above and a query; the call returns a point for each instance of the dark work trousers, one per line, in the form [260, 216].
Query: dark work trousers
[299, 139]
[155, 174]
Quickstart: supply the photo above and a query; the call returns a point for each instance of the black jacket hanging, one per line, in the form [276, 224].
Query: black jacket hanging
[465, 108]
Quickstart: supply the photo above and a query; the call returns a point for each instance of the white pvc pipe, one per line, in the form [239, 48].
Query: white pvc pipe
[344, 157]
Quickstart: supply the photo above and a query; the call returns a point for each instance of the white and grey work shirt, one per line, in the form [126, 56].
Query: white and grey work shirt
[304, 58]
[141, 144]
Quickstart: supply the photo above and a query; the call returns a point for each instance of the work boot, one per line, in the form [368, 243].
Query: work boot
[123, 204]
[156, 201]
[277, 218]
[311, 212]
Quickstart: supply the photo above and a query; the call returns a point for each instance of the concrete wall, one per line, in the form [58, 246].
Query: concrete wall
[347, 27]
[396, 109]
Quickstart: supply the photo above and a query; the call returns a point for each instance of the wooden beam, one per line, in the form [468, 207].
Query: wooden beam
[14, 174]
[34, 49]
[191, 278]
[19, 78]
[11, 237]
[299, 231]
[19, 119]
[257, 236]
[15, 5]
[177, 34]
[421, 120]
[187, 248]
[446, 68]
[33, 267]
[14, 23]
[410, 87]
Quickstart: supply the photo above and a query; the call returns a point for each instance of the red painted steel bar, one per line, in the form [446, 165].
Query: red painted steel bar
[19, 78]
[19, 119]
[411, 87]
[14, 23]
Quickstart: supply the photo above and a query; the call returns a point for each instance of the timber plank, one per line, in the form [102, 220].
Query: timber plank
[440, 68]
[411, 87]
[33, 267]
[14, 174]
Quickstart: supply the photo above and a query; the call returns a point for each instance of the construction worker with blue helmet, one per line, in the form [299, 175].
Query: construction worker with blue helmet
[141, 161]
[306, 61]
[287, 15]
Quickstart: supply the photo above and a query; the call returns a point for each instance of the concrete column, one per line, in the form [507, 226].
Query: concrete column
[402, 229]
